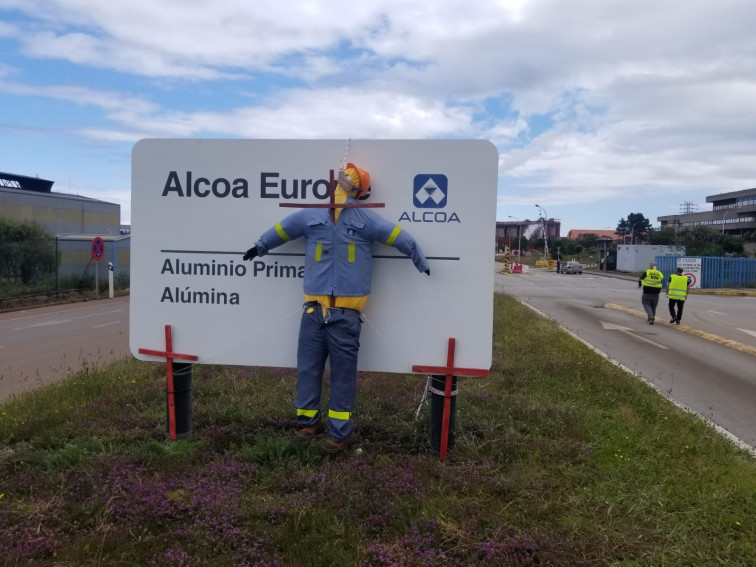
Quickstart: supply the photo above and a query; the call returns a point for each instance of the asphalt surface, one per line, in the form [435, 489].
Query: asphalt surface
[704, 365]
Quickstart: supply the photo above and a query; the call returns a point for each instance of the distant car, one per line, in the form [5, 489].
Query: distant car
[572, 268]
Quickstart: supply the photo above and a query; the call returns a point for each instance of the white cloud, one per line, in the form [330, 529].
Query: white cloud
[586, 100]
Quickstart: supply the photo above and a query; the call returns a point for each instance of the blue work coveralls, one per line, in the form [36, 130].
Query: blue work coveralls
[338, 263]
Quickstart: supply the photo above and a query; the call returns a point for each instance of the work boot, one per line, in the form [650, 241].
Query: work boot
[332, 447]
[309, 432]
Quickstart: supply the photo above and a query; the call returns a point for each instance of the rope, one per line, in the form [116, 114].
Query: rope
[430, 389]
[209, 358]
[343, 164]
[404, 355]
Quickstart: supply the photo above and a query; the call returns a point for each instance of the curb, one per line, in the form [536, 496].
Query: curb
[748, 349]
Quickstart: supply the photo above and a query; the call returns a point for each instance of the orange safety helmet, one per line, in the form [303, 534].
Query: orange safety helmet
[364, 179]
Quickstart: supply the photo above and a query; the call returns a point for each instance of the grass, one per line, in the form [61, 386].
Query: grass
[560, 459]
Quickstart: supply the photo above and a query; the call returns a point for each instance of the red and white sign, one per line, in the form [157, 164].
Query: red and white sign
[98, 248]
[691, 270]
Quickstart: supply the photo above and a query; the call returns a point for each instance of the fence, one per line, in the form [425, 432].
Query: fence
[716, 272]
[73, 256]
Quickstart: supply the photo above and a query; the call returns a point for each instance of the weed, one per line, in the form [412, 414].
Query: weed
[560, 459]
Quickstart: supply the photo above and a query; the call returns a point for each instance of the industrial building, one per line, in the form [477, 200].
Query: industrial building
[733, 213]
[512, 233]
[74, 221]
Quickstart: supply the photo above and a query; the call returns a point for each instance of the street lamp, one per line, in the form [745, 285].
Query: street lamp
[723, 219]
[519, 237]
[545, 233]
[632, 236]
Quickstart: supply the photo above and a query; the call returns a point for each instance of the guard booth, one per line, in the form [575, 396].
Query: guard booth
[604, 252]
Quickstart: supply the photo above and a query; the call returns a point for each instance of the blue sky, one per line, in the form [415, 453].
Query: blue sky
[599, 108]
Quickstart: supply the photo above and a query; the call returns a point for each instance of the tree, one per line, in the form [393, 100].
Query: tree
[636, 225]
[705, 241]
[664, 236]
[25, 251]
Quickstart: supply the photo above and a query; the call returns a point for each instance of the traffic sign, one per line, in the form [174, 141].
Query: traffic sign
[98, 248]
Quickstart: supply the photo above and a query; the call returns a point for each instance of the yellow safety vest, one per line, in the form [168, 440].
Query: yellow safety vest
[654, 278]
[678, 287]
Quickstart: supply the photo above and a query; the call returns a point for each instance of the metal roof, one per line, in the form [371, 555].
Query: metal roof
[25, 183]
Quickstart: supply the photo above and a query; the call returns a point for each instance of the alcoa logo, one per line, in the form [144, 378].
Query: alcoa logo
[430, 191]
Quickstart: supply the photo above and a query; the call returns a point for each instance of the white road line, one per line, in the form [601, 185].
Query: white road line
[44, 324]
[716, 312]
[98, 314]
[105, 324]
[629, 331]
[718, 428]
[753, 333]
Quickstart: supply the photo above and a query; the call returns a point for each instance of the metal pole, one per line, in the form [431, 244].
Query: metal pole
[110, 280]
[545, 233]
[519, 238]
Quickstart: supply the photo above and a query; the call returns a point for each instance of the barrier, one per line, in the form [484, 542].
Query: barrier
[716, 272]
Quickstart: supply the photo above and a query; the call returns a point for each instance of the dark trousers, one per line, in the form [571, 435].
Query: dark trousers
[680, 304]
[649, 302]
[334, 336]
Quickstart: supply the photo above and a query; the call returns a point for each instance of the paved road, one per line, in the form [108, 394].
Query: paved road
[707, 364]
[46, 344]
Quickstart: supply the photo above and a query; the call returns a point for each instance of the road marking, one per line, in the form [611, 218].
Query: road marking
[690, 330]
[718, 428]
[629, 331]
[106, 324]
[753, 333]
[99, 314]
[32, 315]
[44, 324]
[717, 312]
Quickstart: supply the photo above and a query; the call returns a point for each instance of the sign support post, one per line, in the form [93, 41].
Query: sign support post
[169, 357]
[98, 251]
[451, 373]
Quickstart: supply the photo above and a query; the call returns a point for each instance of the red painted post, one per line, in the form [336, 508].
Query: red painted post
[169, 356]
[447, 399]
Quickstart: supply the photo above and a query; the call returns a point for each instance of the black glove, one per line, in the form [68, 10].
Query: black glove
[251, 253]
[427, 271]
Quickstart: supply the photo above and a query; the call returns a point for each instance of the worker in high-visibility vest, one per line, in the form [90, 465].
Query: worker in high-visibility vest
[677, 293]
[651, 280]
[337, 279]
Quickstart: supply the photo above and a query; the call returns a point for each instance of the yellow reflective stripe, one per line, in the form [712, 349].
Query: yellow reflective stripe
[281, 233]
[351, 251]
[307, 412]
[345, 415]
[318, 251]
[393, 235]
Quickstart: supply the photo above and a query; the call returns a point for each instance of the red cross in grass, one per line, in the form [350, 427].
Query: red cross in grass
[450, 371]
[169, 355]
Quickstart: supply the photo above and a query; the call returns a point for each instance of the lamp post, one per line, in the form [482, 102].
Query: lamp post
[723, 219]
[545, 233]
[519, 237]
[632, 236]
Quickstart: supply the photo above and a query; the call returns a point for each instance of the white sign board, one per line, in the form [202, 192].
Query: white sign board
[199, 204]
[692, 270]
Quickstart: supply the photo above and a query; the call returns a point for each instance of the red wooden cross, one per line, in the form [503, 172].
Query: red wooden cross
[332, 203]
[169, 355]
[450, 371]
